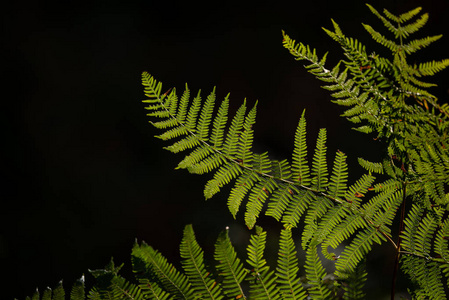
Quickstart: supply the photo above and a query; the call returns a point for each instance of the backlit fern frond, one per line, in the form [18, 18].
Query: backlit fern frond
[193, 264]
[230, 267]
[151, 265]
[262, 279]
[290, 286]
[355, 283]
[315, 274]
[383, 96]
[275, 184]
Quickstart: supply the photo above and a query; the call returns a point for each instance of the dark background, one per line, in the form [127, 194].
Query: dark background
[83, 175]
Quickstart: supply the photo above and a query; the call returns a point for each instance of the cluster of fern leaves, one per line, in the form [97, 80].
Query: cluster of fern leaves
[385, 97]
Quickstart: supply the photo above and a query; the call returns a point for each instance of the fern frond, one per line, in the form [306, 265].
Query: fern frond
[418, 44]
[232, 137]
[212, 161]
[193, 264]
[193, 112]
[256, 200]
[379, 38]
[223, 176]
[280, 199]
[339, 177]
[315, 274]
[341, 232]
[408, 29]
[78, 290]
[145, 259]
[243, 153]
[217, 136]
[297, 207]
[189, 142]
[402, 18]
[230, 267]
[263, 280]
[206, 117]
[386, 23]
[358, 189]
[417, 239]
[300, 167]
[316, 210]
[432, 67]
[426, 276]
[354, 253]
[242, 186]
[319, 164]
[58, 293]
[152, 290]
[353, 286]
[289, 283]
[371, 167]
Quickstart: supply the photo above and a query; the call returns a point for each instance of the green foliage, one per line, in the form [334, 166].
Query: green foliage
[384, 97]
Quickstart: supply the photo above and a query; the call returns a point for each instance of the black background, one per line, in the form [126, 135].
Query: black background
[83, 175]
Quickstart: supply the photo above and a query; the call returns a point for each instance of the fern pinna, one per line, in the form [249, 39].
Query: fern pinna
[385, 97]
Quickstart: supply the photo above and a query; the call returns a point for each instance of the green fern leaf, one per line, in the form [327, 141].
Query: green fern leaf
[402, 18]
[297, 207]
[257, 198]
[152, 290]
[262, 280]
[206, 117]
[280, 200]
[193, 112]
[194, 158]
[230, 267]
[353, 286]
[319, 165]
[232, 137]
[355, 252]
[370, 166]
[317, 209]
[193, 263]
[406, 30]
[208, 164]
[222, 177]
[243, 153]
[59, 293]
[379, 38]
[289, 283]
[339, 177]
[341, 232]
[327, 224]
[78, 290]
[418, 44]
[47, 294]
[145, 259]
[219, 125]
[242, 186]
[315, 274]
[426, 276]
[431, 67]
[300, 167]
[189, 142]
